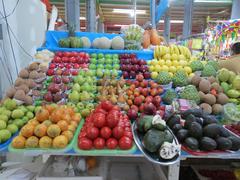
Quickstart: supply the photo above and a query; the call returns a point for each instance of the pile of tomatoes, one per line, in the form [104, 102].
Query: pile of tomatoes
[106, 128]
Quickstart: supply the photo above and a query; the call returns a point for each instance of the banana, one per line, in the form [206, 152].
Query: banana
[155, 53]
[176, 51]
[158, 52]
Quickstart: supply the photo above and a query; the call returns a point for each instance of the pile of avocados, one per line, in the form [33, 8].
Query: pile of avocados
[201, 131]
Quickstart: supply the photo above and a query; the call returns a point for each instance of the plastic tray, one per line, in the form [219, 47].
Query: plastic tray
[95, 152]
[4, 145]
[38, 151]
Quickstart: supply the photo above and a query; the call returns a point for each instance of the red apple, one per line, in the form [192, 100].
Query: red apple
[74, 72]
[68, 66]
[154, 85]
[139, 77]
[50, 72]
[65, 80]
[136, 83]
[141, 108]
[138, 101]
[56, 79]
[157, 100]
[66, 72]
[143, 97]
[147, 75]
[48, 97]
[153, 92]
[72, 60]
[134, 107]
[65, 59]
[148, 99]
[54, 88]
[61, 65]
[76, 66]
[56, 59]
[52, 66]
[58, 53]
[144, 92]
[144, 83]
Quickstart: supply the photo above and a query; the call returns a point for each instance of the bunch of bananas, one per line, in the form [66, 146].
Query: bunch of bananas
[173, 50]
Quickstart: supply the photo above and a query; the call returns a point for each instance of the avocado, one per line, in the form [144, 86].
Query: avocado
[208, 144]
[224, 132]
[168, 136]
[144, 123]
[223, 143]
[192, 143]
[195, 130]
[176, 128]
[195, 112]
[189, 120]
[173, 120]
[235, 143]
[153, 140]
[212, 130]
[182, 134]
[209, 120]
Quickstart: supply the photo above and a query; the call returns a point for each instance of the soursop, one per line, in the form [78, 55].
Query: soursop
[169, 96]
[196, 66]
[180, 79]
[65, 43]
[209, 71]
[164, 78]
[190, 92]
[213, 64]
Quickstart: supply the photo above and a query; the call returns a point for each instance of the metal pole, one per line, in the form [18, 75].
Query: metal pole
[91, 15]
[153, 13]
[135, 13]
[187, 25]
[100, 26]
[72, 13]
[167, 26]
[235, 9]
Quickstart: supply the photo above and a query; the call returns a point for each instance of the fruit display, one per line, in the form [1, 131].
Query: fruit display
[211, 94]
[156, 138]
[131, 66]
[28, 83]
[13, 117]
[171, 59]
[202, 131]
[144, 96]
[229, 82]
[104, 65]
[52, 126]
[113, 90]
[106, 128]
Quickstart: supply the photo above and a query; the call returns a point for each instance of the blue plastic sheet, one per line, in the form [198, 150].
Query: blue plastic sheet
[52, 38]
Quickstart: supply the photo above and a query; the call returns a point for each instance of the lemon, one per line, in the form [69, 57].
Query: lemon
[183, 63]
[171, 74]
[175, 63]
[181, 57]
[167, 56]
[168, 62]
[154, 75]
[154, 62]
[179, 67]
[165, 68]
[188, 70]
[191, 75]
[172, 69]
[174, 57]
[158, 68]
[151, 68]
[161, 62]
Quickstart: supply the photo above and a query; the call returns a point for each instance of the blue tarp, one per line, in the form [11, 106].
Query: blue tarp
[52, 38]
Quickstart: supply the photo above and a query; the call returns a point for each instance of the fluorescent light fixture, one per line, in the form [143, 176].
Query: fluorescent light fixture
[119, 25]
[212, 1]
[82, 27]
[82, 18]
[128, 11]
[173, 21]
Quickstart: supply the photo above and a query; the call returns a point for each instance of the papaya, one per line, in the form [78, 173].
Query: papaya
[146, 39]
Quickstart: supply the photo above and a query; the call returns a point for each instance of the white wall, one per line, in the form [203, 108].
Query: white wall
[29, 24]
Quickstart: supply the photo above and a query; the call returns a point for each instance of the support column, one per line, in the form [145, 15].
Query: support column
[187, 25]
[72, 13]
[100, 26]
[153, 13]
[91, 15]
[167, 27]
[235, 9]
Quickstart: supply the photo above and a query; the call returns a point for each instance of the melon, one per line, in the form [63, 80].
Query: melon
[86, 42]
[117, 43]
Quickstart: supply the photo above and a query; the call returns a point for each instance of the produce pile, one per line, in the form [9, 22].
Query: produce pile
[106, 128]
[52, 127]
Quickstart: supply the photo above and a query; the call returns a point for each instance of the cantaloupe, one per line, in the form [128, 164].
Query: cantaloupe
[86, 42]
[117, 43]
[104, 43]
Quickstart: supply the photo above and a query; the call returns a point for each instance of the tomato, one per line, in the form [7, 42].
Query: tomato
[111, 143]
[106, 132]
[60, 54]
[127, 129]
[85, 143]
[112, 119]
[125, 143]
[67, 54]
[127, 124]
[65, 59]
[74, 54]
[99, 143]
[72, 59]
[117, 108]
[92, 132]
[100, 110]
[82, 134]
[128, 134]
[121, 124]
[99, 120]
[106, 105]
[118, 132]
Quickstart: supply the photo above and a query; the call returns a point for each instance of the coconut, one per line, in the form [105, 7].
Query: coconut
[33, 75]
[28, 100]
[222, 99]
[217, 109]
[20, 95]
[204, 86]
[19, 81]
[23, 87]
[211, 79]
[43, 68]
[30, 83]
[33, 66]
[201, 95]
[196, 80]
[206, 108]
[210, 99]
[10, 92]
[23, 73]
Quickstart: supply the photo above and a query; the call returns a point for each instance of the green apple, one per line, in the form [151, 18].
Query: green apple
[17, 113]
[25, 119]
[31, 108]
[94, 55]
[93, 60]
[30, 115]
[85, 112]
[18, 122]
[107, 72]
[108, 56]
[101, 61]
[115, 61]
[99, 73]
[10, 104]
[92, 66]
[90, 73]
[23, 108]
[79, 79]
[13, 128]
[74, 96]
[100, 66]
[108, 66]
[114, 73]
[115, 56]
[4, 135]
[100, 56]
[81, 72]
[116, 66]
[76, 87]
[108, 61]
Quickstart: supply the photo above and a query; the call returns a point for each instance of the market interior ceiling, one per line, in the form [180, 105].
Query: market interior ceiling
[216, 10]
